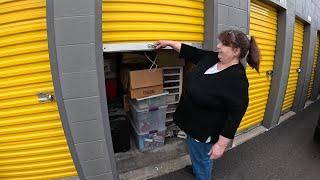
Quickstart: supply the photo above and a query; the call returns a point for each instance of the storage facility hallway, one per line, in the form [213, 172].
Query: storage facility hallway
[85, 94]
[286, 152]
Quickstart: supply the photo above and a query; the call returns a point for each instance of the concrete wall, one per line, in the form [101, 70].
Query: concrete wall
[75, 43]
[222, 15]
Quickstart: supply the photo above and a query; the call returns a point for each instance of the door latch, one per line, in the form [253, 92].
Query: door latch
[45, 97]
[299, 70]
[269, 73]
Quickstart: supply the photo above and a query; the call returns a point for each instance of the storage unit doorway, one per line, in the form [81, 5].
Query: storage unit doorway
[295, 66]
[263, 26]
[129, 31]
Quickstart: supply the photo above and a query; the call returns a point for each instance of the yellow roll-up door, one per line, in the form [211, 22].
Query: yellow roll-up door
[32, 142]
[314, 66]
[295, 66]
[263, 26]
[125, 21]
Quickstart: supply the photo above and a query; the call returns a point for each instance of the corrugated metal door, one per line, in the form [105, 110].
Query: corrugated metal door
[314, 65]
[263, 26]
[125, 21]
[295, 66]
[32, 141]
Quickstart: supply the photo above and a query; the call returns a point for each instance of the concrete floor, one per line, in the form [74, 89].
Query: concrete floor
[286, 152]
[136, 165]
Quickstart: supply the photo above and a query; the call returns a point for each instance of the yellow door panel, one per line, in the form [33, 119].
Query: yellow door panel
[29, 127]
[295, 64]
[263, 26]
[150, 8]
[24, 26]
[134, 17]
[30, 109]
[150, 36]
[32, 141]
[38, 165]
[25, 37]
[24, 48]
[32, 145]
[32, 152]
[150, 20]
[29, 118]
[24, 69]
[26, 90]
[35, 13]
[21, 59]
[25, 79]
[314, 67]
[179, 3]
[150, 26]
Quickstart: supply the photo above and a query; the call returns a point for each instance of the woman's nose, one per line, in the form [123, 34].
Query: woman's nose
[219, 45]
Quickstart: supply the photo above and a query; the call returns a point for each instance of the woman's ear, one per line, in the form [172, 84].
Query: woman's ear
[236, 52]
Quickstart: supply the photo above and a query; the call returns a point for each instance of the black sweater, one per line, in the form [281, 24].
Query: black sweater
[213, 104]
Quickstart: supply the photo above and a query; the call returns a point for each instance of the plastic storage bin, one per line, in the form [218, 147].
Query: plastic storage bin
[151, 101]
[146, 120]
[149, 140]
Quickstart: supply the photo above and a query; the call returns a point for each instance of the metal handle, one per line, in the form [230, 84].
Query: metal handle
[269, 73]
[45, 97]
[152, 46]
[299, 70]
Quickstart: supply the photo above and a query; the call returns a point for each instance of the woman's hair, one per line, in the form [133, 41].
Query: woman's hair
[248, 48]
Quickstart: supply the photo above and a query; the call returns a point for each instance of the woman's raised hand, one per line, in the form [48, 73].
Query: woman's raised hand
[164, 43]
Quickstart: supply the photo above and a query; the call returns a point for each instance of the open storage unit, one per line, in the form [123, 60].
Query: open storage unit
[147, 126]
[148, 103]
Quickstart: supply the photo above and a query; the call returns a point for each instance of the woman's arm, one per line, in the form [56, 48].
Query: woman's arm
[187, 52]
[237, 100]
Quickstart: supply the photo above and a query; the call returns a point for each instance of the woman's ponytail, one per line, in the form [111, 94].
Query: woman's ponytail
[253, 57]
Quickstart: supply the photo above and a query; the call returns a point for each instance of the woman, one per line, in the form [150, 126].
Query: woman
[216, 96]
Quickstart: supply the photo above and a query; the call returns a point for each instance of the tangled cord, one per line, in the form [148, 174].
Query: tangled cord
[154, 65]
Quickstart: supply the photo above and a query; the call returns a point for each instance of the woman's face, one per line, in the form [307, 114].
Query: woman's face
[227, 53]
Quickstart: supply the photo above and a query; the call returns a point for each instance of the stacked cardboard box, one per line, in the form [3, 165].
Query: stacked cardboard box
[147, 104]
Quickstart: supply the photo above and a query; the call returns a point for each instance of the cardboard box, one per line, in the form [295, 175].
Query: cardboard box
[142, 83]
